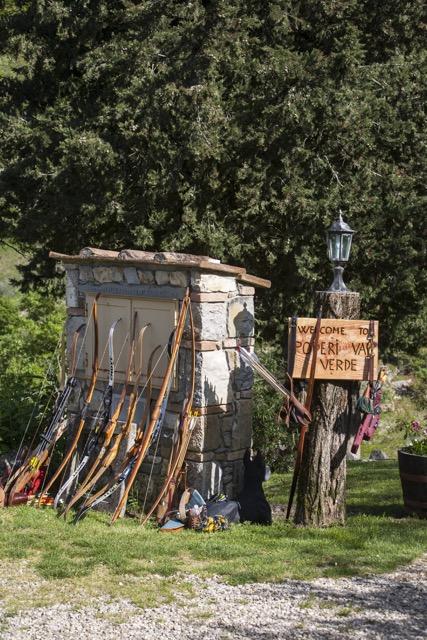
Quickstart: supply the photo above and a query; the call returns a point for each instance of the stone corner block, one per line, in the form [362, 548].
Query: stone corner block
[244, 290]
[240, 317]
[207, 435]
[242, 375]
[213, 386]
[72, 288]
[207, 282]
[210, 320]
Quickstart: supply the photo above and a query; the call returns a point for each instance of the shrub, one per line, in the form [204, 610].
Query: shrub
[30, 330]
[270, 435]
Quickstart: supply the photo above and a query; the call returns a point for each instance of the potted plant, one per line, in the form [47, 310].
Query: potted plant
[413, 468]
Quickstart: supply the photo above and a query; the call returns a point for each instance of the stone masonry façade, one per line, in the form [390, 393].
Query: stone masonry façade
[223, 311]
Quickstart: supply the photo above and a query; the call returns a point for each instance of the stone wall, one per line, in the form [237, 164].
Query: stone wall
[223, 310]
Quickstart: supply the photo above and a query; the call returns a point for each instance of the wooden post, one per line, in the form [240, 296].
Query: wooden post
[322, 480]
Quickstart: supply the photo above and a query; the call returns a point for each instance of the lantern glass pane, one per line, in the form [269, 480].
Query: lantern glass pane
[346, 245]
[334, 244]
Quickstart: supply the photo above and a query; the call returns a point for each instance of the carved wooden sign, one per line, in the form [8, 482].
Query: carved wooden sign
[344, 349]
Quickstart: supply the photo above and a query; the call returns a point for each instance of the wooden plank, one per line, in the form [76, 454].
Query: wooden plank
[204, 265]
[88, 252]
[64, 257]
[130, 262]
[343, 349]
[247, 278]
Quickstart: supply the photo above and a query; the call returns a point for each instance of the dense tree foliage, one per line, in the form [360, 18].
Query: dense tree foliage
[230, 128]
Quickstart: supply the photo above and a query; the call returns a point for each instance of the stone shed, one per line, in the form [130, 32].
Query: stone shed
[222, 299]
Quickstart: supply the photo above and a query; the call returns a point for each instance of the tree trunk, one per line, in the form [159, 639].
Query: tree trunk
[322, 480]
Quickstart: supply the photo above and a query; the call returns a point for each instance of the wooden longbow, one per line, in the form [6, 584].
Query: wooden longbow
[109, 430]
[146, 440]
[177, 455]
[100, 425]
[106, 460]
[120, 477]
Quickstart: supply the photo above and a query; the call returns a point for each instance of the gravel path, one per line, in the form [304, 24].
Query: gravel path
[391, 606]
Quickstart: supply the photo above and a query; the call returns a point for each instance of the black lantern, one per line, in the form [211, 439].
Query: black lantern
[339, 237]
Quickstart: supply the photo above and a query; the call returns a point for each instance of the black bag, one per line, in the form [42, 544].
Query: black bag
[227, 508]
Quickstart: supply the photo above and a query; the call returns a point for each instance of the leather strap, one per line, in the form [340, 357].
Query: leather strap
[315, 347]
[286, 409]
[371, 335]
[292, 345]
[304, 426]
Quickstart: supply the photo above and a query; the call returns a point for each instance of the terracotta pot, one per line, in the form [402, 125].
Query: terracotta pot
[413, 476]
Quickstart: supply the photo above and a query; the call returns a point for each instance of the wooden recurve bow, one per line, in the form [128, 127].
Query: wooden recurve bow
[107, 460]
[166, 505]
[146, 440]
[86, 406]
[120, 477]
[40, 455]
[252, 360]
[165, 496]
[108, 432]
[99, 428]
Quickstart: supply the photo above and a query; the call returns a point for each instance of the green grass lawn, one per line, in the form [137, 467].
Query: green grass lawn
[95, 558]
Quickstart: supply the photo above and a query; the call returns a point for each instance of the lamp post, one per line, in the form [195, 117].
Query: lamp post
[339, 237]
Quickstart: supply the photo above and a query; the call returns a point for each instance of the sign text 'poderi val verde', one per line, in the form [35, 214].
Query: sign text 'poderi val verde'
[344, 349]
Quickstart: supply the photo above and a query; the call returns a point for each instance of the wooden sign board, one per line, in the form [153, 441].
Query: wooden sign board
[343, 352]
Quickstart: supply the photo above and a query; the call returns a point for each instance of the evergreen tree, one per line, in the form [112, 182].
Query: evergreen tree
[231, 128]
